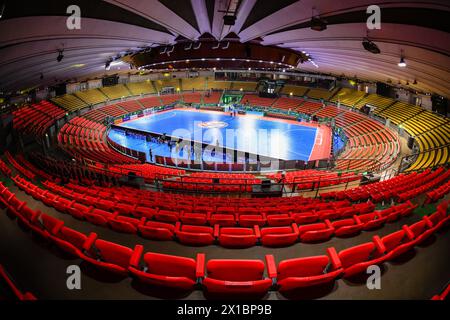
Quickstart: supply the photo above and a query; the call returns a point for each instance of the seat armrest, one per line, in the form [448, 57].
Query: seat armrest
[200, 267]
[428, 222]
[379, 244]
[408, 232]
[89, 241]
[328, 224]
[136, 256]
[357, 220]
[178, 226]
[216, 231]
[271, 266]
[257, 231]
[334, 258]
[295, 228]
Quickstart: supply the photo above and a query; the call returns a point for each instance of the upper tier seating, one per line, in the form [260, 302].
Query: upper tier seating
[379, 102]
[37, 118]
[321, 93]
[197, 84]
[348, 97]
[93, 96]
[138, 88]
[70, 102]
[218, 85]
[244, 85]
[295, 90]
[116, 92]
[174, 83]
[399, 112]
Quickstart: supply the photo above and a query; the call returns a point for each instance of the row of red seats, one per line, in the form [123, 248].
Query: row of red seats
[86, 139]
[307, 179]
[224, 277]
[131, 106]
[254, 100]
[385, 190]
[37, 118]
[412, 193]
[438, 193]
[282, 230]
[212, 98]
[27, 173]
[11, 286]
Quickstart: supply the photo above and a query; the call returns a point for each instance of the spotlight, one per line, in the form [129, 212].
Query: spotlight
[60, 55]
[402, 62]
[370, 46]
[318, 24]
[2, 10]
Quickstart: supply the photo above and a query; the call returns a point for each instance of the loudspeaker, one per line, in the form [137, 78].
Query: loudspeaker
[411, 142]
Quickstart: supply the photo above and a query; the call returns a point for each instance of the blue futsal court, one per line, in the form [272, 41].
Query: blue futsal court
[275, 138]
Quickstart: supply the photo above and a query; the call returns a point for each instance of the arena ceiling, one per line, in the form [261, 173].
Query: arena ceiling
[31, 33]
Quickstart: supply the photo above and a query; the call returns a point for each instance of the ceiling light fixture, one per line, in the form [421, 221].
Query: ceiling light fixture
[402, 62]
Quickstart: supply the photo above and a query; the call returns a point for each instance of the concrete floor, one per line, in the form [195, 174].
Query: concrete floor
[41, 269]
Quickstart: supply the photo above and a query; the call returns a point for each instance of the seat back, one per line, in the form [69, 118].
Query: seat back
[114, 253]
[302, 267]
[168, 265]
[235, 270]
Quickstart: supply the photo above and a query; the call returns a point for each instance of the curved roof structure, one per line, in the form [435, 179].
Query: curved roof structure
[32, 33]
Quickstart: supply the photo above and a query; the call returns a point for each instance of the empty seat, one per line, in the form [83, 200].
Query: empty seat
[194, 235]
[316, 232]
[236, 278]
[398, 242]
[162, 270]
[309, 271]
[125, 224]
[347, 227]
[98, 217]
[372, 220]
[250, 220]
[108, 256]
[227, 220]
[237, 237]
[166, 216]
[355, 260]
[194, 218]
[279, 236]
[157, 230]
[305, 217]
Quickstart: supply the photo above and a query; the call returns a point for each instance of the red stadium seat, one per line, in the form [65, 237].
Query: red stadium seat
[347, 227]
[372, 220]
[316, 232]
[279, 236]
[237, 237]
[236, 278]
[162, 270]
[355, 260]
[226, 220]
[157, 230]
[250, 220]
[309, 271]
[194, 218]
[398, 242]
[194, 235]
[108, 256]
[98, 217]
[125, 224]
[305, 217]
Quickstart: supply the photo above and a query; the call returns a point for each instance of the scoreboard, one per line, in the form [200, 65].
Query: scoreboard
[269, 88]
